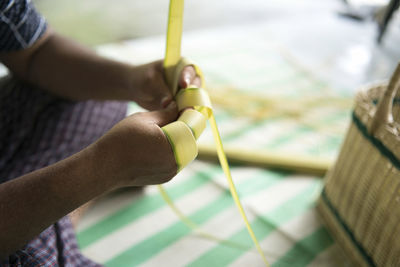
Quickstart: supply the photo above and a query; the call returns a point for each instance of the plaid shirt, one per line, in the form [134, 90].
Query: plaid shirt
[39, 129]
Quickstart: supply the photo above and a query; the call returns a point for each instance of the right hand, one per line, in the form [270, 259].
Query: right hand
[135, 152]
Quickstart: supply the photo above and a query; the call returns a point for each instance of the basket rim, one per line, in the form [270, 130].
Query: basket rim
[365, 105]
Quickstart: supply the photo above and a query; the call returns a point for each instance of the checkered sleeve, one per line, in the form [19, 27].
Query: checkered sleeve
[20, 25]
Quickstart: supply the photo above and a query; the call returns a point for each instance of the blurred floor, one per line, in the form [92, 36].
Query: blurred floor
[337, 49]
[99, 21]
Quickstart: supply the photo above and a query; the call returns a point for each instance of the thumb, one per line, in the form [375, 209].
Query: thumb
[164, 116]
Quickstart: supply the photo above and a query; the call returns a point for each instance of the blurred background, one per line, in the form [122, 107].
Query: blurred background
[341, 33]
[99, 21]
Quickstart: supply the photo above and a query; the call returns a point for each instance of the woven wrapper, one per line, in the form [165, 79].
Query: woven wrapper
[360, 202]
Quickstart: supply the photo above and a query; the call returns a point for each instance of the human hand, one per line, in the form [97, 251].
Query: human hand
[135, 152]
[149, 86]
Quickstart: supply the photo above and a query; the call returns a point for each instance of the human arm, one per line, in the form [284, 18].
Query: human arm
[134, 152]
[70, 70]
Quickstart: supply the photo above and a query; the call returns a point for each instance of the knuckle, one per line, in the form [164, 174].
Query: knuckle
[168, 177]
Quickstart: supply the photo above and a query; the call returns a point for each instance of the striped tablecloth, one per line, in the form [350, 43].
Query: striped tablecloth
[134, 227]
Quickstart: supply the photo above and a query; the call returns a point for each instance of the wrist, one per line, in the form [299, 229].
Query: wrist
[105, 161]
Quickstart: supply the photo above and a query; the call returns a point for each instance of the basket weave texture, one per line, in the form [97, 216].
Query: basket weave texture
[360, 202]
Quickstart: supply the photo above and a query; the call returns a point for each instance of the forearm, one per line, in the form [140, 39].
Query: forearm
[32, 202]
[75, 72]
[70, 70]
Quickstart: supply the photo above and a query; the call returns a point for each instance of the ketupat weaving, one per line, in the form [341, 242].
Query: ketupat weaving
[140, 229]
[195, 107]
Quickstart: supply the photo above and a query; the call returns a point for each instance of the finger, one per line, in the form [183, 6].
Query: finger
[165, 101]
[161, 94]
[158, 94]
[164, 116]
[197, 81]
[159, 65]
[187, 76]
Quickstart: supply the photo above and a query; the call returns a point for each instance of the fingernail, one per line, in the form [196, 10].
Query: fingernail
[187, 79]
[165, 101]
[171, 105]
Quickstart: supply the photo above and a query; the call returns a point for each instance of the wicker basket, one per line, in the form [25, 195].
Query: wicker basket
[360, 202]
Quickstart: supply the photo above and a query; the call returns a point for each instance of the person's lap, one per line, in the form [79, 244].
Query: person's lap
[39, 129]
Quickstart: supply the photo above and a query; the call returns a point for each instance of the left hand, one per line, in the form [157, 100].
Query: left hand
[150, 89]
